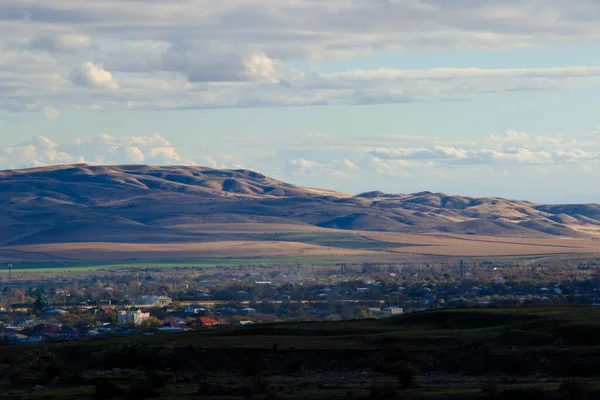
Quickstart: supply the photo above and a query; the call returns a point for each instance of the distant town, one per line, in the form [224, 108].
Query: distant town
[39, 308]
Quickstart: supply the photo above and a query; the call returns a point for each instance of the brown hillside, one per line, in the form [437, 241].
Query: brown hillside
[135, 204]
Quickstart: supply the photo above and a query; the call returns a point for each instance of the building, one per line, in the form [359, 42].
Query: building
[248, 311]
[393, 310]
[154, 301]
[206, 322]
[243, 323]
[133, 316]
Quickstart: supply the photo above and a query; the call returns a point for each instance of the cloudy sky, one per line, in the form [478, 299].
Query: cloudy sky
[471, 97]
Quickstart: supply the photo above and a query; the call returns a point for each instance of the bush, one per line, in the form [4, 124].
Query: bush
[490, 390]
[52, 372]
[574, 388]
[397, 353]
[526, 393]
[388, 391]
[131, 355]
[405, 372]
[107, 389]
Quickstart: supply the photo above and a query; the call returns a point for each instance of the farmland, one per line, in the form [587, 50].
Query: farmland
[305, 244]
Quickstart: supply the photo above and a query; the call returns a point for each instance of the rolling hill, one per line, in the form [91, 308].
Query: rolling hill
[135, 204]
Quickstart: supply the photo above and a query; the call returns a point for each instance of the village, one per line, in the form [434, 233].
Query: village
[68, 307]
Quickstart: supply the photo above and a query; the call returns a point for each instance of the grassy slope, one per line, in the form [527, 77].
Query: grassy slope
[460, 345]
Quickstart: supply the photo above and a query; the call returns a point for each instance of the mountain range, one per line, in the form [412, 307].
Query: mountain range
[84, 203]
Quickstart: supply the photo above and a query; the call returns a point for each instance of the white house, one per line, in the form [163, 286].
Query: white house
[133, 316]
[154, 301]
[393, 310]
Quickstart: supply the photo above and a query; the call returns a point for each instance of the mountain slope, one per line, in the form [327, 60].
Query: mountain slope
[150, 204]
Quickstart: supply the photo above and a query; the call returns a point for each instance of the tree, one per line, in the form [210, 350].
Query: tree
[151, 322]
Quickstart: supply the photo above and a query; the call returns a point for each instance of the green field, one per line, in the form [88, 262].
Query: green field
[62, 267]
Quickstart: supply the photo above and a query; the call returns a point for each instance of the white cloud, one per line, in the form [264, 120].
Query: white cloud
[130, 153]
[450, 156]
[260, 67]
[51, 112]
[37, 152]
[304, 165]
[241, 53]
[102, 149]
[91, 75]
[346, 165]
[510, 136]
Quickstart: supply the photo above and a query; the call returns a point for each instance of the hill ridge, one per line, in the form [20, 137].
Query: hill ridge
[93, 202]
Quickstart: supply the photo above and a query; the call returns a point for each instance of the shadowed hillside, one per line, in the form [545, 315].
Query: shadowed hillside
[462, 354]
[157, 204]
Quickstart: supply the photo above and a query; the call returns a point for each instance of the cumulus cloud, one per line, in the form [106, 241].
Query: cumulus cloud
[260, 67]
[102, 149]
[303, 166]
[510, 136]
[91, 75]
[36, 152]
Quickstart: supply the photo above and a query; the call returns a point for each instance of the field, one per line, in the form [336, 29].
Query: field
[229, 243]
[534, 353]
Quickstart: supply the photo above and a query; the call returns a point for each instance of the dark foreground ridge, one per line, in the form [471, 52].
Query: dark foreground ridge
[147, 204]
[518, 353]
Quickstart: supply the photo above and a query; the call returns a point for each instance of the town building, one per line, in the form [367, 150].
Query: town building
[393, 310]
[133, 316]
[154, 301]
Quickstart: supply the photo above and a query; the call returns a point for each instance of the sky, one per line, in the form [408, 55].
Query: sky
[471, 97]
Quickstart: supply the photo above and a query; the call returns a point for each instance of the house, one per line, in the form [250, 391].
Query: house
[55, 312]
[154, 301]
[393, 310]
[243, 323]
[195, 310]
[248, 311]
[229, 310]
[133, 316]
[206, 322]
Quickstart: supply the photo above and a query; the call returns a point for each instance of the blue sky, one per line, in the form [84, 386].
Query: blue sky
[468, 97]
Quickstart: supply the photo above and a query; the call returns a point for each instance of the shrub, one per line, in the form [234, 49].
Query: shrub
[130, 355]
[398, 353]
[52, 372]
[575, 388]
[388, 391]
[526, 393]
[405, 372]
[490, 390]
[107, 389]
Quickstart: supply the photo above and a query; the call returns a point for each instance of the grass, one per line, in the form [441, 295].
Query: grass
[72, 393]
[166, 264]
[461, 350]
